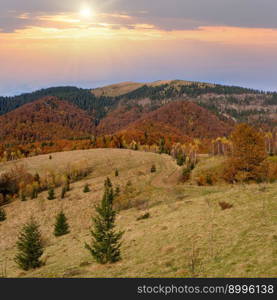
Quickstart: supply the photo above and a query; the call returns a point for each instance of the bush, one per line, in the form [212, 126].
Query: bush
[272, 171]
[225, 205]
[51, 194]
[153, 169]
[86, 188]
[143, 217]
[29, 246]
[2, 215]
[206, 179]
[181, 159]
[23, 196]
[186, 174]
[12, 181]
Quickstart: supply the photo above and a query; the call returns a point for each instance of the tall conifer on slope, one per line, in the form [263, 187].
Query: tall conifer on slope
[105, 247]
[61, 225]
[29, 246]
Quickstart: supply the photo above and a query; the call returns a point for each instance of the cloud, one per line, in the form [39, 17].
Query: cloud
[164, 14]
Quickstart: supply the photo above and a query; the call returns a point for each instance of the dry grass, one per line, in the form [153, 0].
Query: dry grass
[187, 234]
[117, 89]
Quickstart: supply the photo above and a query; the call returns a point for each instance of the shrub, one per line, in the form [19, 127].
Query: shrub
[186, 174]
[51, 194]
[34, 193]
[143, 217]
[224, 205]
[181, 159]
[272, 171]
[86, 188]
[3, 215]
[61, 225]
[23, 196]
[29, 246]
[13, 180]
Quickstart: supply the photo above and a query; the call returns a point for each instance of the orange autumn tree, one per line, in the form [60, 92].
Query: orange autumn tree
[247, 161]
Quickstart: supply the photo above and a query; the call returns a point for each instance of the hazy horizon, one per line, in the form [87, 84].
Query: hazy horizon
[93, 43]
[99, 85]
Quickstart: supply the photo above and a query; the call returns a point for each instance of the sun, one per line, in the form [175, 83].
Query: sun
[86, 12]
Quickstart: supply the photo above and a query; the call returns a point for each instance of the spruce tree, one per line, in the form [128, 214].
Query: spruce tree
[51, 194]
[29, 246]
[105, 247]
[2, 215]
[86, 188]
[61, 225]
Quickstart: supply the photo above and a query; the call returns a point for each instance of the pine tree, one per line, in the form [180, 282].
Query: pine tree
[51, 194]
[61, 225]
[86, 188]
[2, 215]
[105, 247]
[29, 246]
[116, 173]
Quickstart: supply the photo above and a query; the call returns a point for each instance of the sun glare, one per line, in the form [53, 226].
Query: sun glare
[86, 12]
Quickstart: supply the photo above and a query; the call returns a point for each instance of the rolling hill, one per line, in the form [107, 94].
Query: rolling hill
[189, 118]
[45, 119]
[186, 234]
[237, 103]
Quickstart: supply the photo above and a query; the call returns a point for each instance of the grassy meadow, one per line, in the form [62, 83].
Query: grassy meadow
[187, 234]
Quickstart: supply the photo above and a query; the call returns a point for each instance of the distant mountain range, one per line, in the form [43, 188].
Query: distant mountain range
[179, 109]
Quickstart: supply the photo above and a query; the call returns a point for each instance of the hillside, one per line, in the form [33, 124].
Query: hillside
[232, 102]
[189, 118]
[115, 90]
[45, 119]
[186, 235]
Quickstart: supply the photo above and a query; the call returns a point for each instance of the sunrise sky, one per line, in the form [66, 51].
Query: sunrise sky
[96, 42]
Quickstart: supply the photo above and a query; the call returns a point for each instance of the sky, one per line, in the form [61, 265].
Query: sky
[92, 43]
